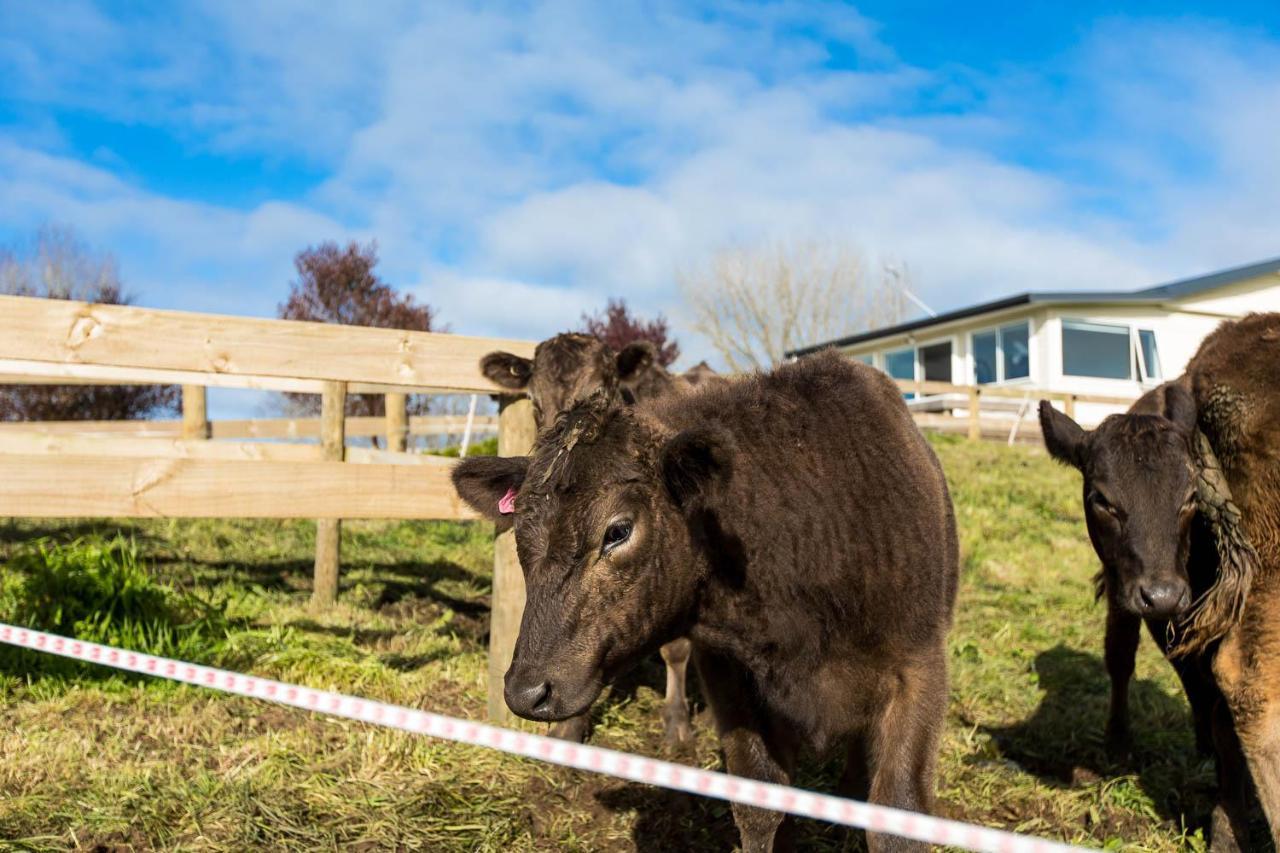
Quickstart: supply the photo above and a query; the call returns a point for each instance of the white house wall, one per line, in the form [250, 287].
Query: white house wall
[1259, 294]
[1179, 326]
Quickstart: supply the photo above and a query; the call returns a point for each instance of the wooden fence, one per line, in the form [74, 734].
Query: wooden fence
[194, 468]
[992, 411]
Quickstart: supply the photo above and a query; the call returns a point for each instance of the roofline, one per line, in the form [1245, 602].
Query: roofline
[1145, 296]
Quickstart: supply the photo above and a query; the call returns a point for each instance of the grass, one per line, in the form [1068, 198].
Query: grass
[100, 761]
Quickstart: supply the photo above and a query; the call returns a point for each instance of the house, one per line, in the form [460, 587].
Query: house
[1114, 344]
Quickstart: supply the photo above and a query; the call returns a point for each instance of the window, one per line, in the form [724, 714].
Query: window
[985, 354]
[936, 361]
[1015, 348]
[865, 358]
[1002, 354]
[901, 364]
[1110, 351]
[1096, 349]
[1150, 356]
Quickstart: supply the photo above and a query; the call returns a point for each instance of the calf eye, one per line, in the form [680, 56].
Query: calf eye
[615, 535]
[1102, 504]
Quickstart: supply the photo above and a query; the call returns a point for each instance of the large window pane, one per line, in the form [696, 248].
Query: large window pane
[1015, 348]
[984, 358]
[1150, 355]
[901, 364]
[866, 358]
[936, 361]
[1096, 349]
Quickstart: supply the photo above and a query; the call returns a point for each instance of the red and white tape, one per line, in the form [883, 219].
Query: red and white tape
[595, 759]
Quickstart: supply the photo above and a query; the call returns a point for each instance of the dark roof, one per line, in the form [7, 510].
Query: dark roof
[1149, 295]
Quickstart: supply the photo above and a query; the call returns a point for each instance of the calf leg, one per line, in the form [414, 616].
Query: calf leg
[1229, 823]
[752, 747]
[903, 743]
[675, 711]
[573, 729]
[1121, 646]
[1247, 669]
[1203, 696]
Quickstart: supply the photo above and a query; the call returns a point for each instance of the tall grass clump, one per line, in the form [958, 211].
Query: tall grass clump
[98, 590]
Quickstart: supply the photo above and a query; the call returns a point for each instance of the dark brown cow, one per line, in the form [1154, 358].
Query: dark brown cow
[817, 586]
[1182, 502]
[571, 367]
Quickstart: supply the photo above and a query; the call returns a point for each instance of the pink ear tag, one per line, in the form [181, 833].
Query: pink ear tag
[507, 504]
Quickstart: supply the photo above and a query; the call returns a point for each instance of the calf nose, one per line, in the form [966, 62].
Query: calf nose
[529, 699]
[1163, 598]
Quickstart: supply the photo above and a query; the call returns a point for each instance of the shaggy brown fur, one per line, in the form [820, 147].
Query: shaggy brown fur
[571, 367]
[1235, 378]
[817, 586]
[1179, 492]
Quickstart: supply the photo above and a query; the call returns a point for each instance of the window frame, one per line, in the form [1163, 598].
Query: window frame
[1144, 370]
[1137, 360]
[998, 330]
[933, 342]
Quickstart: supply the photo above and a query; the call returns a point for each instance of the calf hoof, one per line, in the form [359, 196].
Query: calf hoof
[676, 725]
[1222, 836]
[574, 729]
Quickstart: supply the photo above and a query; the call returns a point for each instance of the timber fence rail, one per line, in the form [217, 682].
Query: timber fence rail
[1006, 405]
[251, 468]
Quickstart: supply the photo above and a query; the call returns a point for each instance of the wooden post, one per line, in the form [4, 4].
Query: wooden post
[1069, 406]
[515, 438]
[324, 590]
[397, 422]
[195, 412]
[975, 413]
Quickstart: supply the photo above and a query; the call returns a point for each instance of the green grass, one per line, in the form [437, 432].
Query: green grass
[94, 760]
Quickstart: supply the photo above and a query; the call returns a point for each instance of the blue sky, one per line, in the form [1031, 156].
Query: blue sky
[519, 165]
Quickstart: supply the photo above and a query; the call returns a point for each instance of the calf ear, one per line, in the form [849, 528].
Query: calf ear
[635, 359]
[1180, 407]
[509, 371]
[488, 484]
[695, 462]
[1063, 437]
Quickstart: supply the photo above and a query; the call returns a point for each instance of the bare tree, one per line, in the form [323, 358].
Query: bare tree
[56, 264]
[756, 304]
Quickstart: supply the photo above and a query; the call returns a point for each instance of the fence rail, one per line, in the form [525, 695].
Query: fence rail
[263, 428]
[997, 400]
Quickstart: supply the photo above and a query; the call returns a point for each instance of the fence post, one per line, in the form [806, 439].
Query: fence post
[1069, 406]
[515, 438]
[397, 422]
[324, 590]
[195, 412]
[975, 413]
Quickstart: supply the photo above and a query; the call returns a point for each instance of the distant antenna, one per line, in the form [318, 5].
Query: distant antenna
[896, 274]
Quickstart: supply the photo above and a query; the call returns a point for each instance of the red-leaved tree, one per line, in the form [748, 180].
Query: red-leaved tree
[57, 264]
[337, 285]
[617, 327]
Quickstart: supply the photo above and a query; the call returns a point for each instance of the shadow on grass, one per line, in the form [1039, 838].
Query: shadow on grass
[1062, 742]
[15, 531]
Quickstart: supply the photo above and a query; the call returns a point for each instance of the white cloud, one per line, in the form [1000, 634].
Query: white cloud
[519, 166]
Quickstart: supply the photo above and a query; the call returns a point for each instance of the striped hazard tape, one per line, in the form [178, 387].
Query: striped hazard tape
[622, 765]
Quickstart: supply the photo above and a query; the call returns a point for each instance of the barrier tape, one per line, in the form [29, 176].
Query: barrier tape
[635, 768]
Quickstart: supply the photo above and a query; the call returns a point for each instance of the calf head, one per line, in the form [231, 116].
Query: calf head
[571, 367]
[602, 527]
[1139, 498]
